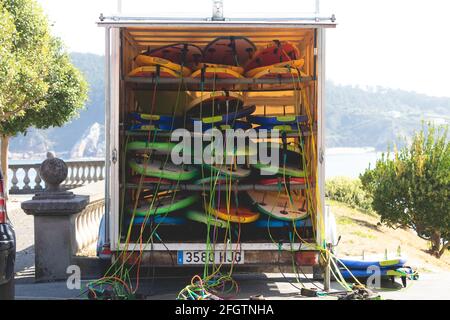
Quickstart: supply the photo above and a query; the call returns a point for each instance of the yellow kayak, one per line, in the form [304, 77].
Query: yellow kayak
[152, 71]
[295, 64]
[145, 61]
[218, 73]
[202, 65]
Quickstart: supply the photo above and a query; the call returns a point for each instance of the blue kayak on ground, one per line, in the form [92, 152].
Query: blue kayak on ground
[355, 264]
[397, 272]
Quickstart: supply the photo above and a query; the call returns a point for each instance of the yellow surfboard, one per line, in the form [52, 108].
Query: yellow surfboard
[152, 71]
[295, 64]
[202, 65]
[276, 72]
[218, 73]
[217, 97]
[145, 61]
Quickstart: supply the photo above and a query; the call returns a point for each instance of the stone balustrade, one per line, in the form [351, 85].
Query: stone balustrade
[86, 224]
[25, 178]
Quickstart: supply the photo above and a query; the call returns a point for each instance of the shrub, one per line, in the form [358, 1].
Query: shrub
[348, 191]
[412, 188]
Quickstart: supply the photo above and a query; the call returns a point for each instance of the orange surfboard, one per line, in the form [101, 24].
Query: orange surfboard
[233, 213]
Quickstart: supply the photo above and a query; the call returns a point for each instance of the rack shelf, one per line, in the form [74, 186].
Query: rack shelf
[194, 84]
[206, 187]
[167, 134]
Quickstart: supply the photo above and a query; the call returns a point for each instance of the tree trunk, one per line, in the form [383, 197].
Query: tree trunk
[4, 161]
[436, 243]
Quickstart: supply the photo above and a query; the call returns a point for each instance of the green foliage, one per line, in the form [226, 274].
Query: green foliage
[411, 187]
[348, 191]
[42, 88]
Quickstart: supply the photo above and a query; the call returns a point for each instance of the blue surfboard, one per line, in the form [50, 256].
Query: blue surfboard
[274, 223]
[154, 119]
[225, 118]
[160, 220]
[276, 120]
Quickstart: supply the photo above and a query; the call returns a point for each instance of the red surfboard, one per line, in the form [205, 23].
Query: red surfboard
[274, 53]
[150, 180]
[185, 54]
[233, 51]
[278, 180]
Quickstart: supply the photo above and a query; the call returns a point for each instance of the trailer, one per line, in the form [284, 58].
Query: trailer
[179, 246]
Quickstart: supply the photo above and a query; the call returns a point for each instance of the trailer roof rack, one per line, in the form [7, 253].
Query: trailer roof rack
[306, 21]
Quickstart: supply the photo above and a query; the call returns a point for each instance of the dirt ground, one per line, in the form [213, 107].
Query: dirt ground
[361, 233]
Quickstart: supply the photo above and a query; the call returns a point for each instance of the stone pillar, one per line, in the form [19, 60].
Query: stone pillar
[54, 212]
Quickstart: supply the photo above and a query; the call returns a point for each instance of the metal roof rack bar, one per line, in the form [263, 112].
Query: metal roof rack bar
[103, 18]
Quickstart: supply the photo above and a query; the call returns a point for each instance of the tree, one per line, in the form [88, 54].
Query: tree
[412, 188]
[40, 86]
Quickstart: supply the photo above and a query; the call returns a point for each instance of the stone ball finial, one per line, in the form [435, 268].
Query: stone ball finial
[53, 171]
[50, 155]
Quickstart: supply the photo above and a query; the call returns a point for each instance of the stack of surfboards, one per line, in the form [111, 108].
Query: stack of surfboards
[223, 58]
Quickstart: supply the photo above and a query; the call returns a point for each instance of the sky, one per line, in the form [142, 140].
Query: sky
[398, 44]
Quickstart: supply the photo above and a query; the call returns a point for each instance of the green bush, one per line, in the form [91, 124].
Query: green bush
[411, 187]
[348, 191]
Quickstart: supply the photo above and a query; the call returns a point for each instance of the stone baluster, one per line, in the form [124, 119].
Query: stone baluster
[26, 180]
[83, 174]
[102, 173]
[95, 173]
[89, 174]
[14, 181]
[38, 187]
[77, 177]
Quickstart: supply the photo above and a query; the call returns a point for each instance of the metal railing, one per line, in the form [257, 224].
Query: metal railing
[25, 178]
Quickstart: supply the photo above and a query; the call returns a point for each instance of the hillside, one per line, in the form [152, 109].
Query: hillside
[355, 117]
[361, 233]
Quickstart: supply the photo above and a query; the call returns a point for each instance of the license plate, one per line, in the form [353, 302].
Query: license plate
[211, 257]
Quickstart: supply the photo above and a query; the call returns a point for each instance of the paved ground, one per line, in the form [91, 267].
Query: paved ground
[24, 227]
[270, 285]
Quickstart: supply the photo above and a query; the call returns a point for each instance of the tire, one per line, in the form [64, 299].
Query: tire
[7, 291]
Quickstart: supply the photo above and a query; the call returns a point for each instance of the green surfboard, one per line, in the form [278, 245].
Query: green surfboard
[169, 171]
[166, 204]
[201, 217]
[144, 146]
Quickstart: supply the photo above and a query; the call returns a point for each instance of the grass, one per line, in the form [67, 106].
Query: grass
[364, 235]
[361, 232]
